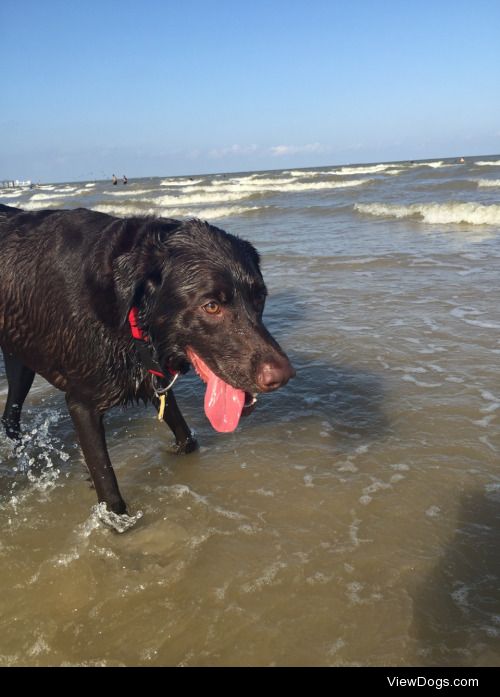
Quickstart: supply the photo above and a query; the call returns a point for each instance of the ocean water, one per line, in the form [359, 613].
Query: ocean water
[353, 518]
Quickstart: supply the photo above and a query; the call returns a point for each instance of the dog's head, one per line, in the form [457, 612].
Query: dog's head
[201, 296]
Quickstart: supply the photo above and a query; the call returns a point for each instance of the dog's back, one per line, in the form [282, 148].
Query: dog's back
[48, 304]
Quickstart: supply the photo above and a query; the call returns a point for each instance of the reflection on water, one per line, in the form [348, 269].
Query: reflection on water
[352, 519]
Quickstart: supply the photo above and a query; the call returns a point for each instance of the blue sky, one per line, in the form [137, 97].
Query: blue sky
[164, 87]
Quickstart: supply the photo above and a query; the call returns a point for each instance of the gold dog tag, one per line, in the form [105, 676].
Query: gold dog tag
[161, 410]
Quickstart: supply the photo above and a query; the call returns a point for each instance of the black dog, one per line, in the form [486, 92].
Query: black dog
[111, 310]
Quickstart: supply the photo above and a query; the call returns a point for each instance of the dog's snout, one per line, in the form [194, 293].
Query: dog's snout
[274, 374]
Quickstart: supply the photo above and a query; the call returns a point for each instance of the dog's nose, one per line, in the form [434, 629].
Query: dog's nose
[272, 375]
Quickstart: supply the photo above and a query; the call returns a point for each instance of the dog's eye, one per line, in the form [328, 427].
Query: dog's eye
[212, 308]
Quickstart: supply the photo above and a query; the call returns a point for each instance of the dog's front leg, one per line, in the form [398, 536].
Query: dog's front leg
[90, 429]
[184, 439]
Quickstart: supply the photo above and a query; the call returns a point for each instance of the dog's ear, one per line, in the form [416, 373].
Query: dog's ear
[137, 278]
[127, 268]
[252, 254]
[139, 265]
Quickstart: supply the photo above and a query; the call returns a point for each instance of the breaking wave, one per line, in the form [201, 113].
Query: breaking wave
[10, 194]
[202, 197]
[188, 212]
[241, 188]
[434, 165]
[316, 186]
[58, 194]
[303, 173]
[436, 213]
[370, 169]
[488, 163]
[488, 182]
[128, 193]
[180, 181]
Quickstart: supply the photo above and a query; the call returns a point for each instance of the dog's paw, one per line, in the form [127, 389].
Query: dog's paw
[186, 446]
[120, 522]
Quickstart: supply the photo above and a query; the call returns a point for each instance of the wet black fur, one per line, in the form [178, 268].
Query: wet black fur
[67, 282]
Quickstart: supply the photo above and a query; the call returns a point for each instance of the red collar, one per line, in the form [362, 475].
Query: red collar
[145, 347]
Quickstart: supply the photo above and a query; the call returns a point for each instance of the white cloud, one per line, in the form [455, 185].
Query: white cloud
[236, 150]
[233, 150]
[280, 150]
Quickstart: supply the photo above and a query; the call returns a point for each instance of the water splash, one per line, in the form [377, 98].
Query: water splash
[38, 456]
[119, 522]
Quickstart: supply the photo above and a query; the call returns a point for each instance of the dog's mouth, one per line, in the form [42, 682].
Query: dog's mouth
[224, 404]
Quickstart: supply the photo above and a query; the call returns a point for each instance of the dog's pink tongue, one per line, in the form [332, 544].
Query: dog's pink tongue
[223, 403]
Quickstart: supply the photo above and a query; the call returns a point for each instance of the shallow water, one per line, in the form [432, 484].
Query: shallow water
[353, 518]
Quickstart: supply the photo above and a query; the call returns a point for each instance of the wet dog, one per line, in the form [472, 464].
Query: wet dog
[112, 310]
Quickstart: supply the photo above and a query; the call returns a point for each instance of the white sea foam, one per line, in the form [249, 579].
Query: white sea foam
[268, 577]
[235, 190]
[58, 194]
[262, 182]
[203, 198]
[494, 402]
[211, 213]
[317, 186]
[128, 192]
[436, 213]
[370, 169]
[488, 163]
[10, 194]
[465, 313]
[180, 181]
[434, 165]
[488, 182]
[125, 210]
[46, 197]
[303, 173]
[288, 185]
[32, 206]
[420, 383]
[249, 183]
